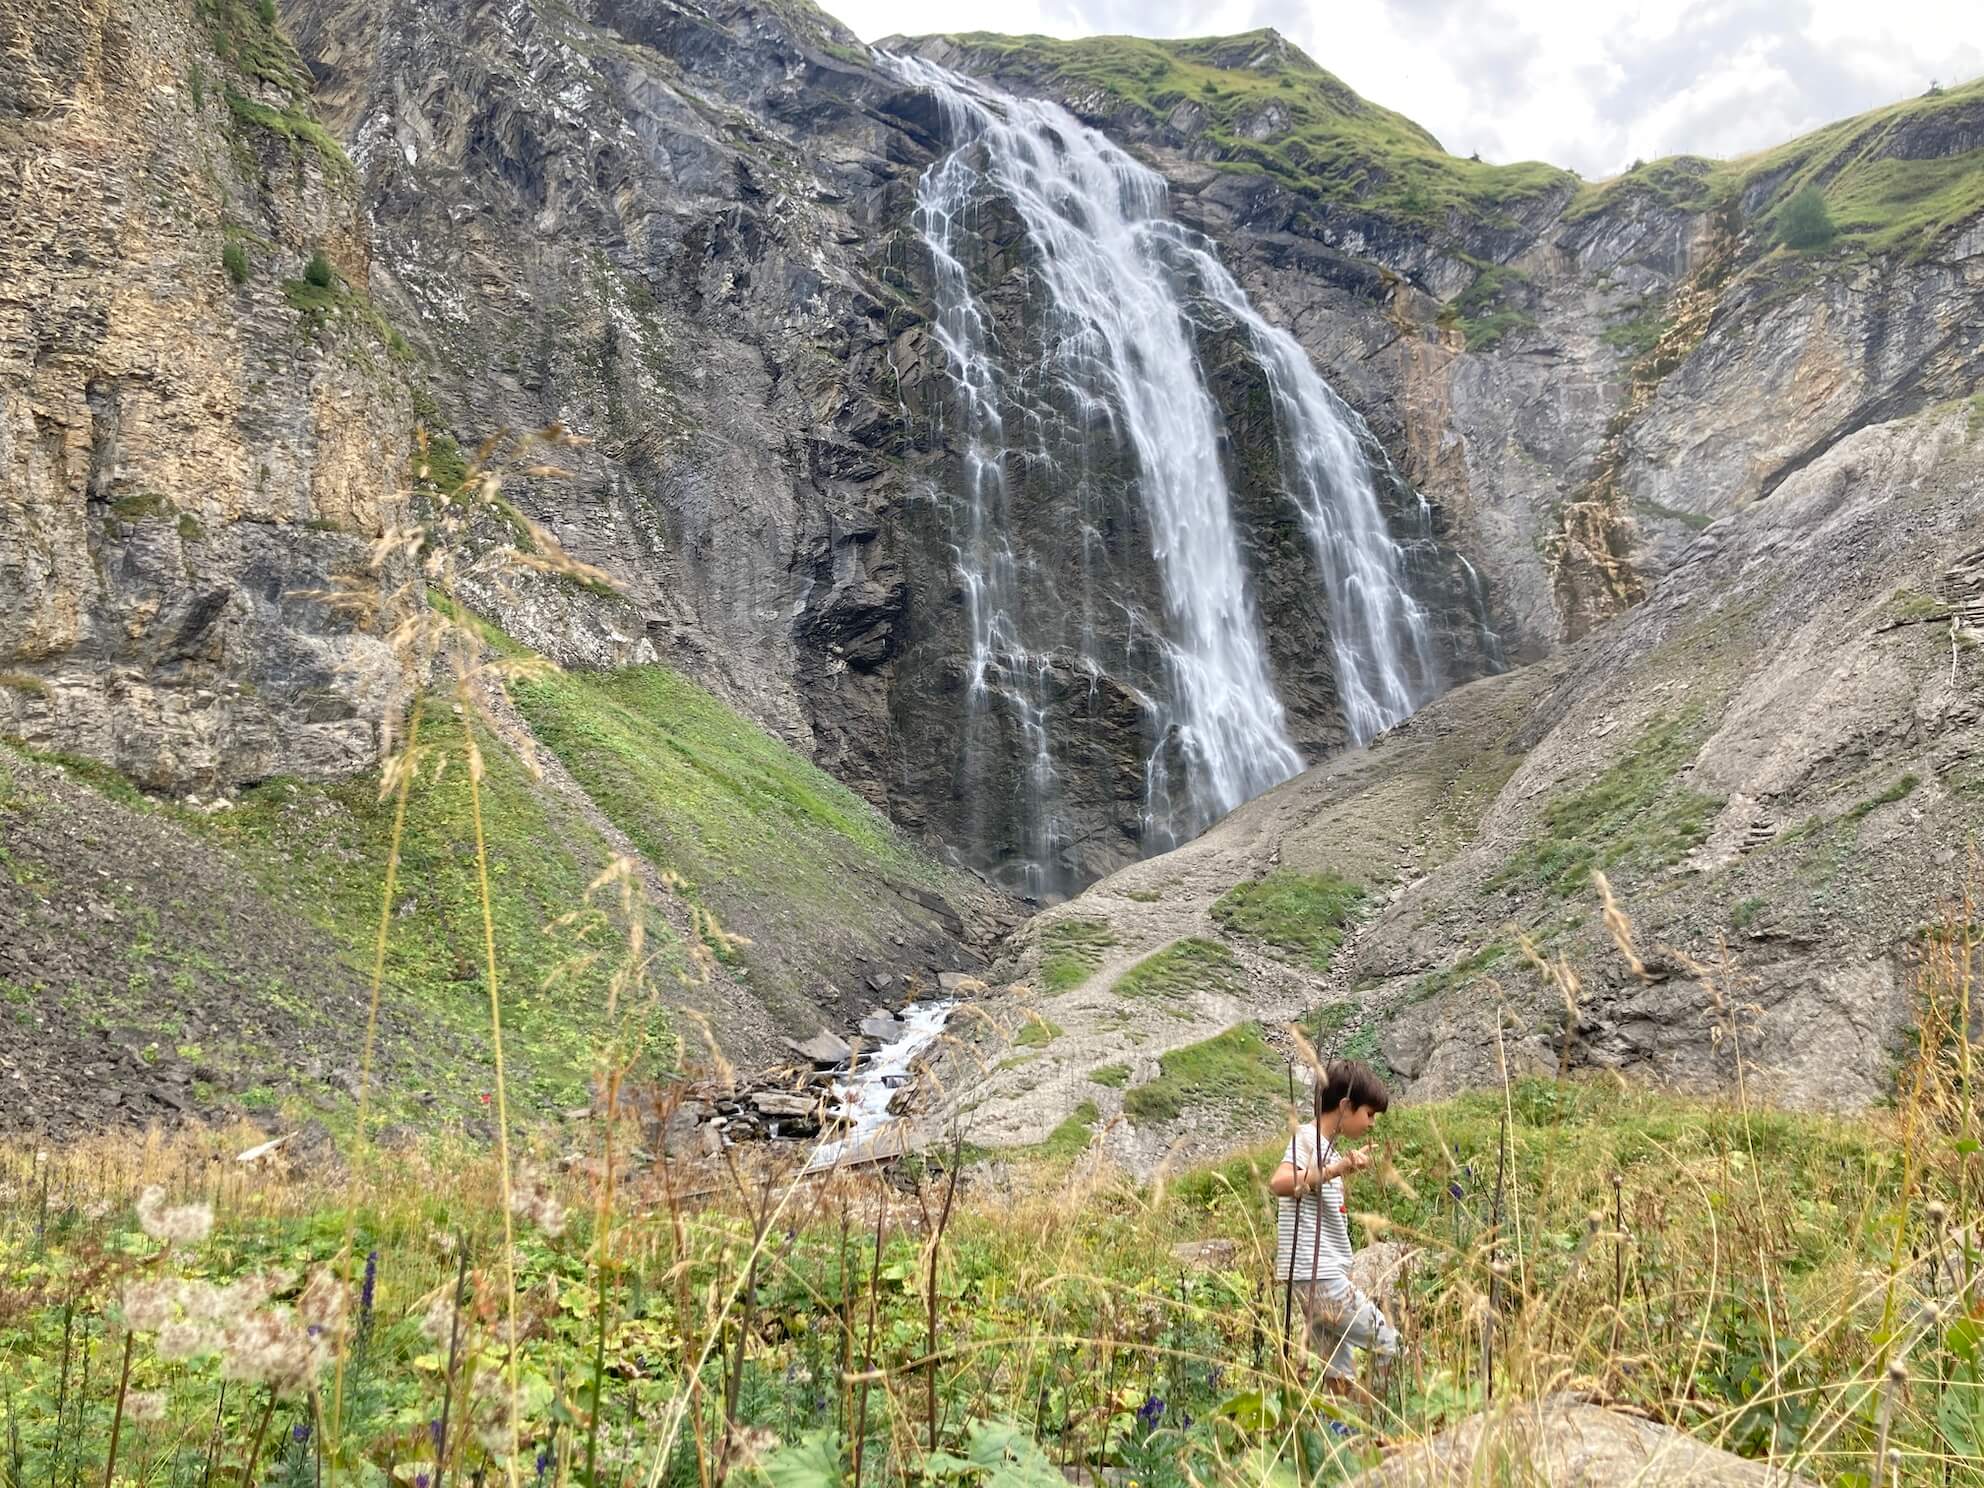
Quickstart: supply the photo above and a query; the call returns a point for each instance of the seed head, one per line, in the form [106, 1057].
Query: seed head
[324, 1302]
[188, 1224]
[147, 1305]
[144, 1405]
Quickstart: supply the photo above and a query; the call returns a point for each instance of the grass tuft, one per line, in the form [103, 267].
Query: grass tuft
[1071, 950]
[1235, 1073]
[1182, 968]
[1302, 914]
[1634, 816]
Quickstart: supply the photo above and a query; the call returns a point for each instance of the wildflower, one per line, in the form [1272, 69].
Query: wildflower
[144, 1405]
[188, 1224]
[370, 1284]
[271, 1347]
[300, 1432]
[148, 1305]
[543, 1462]
[1150, 1411]
[1456, 1192]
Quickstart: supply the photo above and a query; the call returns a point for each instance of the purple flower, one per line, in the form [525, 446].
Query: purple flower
[420, 1480]
[434, 1431]
[300, 1432]
[543, 1462]
[370, 1284]
[1149, 1411]
[1456, 1191]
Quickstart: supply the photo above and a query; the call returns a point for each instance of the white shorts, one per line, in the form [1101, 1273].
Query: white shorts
[1337, 1322]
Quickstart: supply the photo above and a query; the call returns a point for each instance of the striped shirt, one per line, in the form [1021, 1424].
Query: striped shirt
[1314, 1227]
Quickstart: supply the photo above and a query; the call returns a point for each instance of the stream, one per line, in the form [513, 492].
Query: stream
[861, 1098]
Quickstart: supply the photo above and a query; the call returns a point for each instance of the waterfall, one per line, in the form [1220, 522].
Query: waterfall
[1127, 290]
[1379, 633]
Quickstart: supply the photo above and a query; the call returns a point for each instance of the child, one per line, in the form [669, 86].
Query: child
[1312, 1242]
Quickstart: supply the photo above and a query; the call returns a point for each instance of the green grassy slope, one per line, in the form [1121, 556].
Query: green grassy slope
[1320, 138]
[1268, 108]
[1881, 193]
[776, 848]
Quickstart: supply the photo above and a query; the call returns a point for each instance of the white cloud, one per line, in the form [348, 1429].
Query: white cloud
[1590, 86]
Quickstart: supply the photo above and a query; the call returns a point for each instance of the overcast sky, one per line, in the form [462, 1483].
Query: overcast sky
[1582, 84]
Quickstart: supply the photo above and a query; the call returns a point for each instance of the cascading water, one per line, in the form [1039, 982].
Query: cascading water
[1380, 634]
[1127, 290]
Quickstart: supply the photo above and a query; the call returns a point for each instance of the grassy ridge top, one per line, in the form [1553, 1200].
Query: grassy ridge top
[1888, 177]
[1262, 105]
[1893, 178]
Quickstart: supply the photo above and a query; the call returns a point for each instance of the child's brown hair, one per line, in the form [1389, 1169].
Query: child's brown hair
[1354, 1081]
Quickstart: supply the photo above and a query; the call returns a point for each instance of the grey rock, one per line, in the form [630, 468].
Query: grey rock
[824, 1048]
[780, 1103]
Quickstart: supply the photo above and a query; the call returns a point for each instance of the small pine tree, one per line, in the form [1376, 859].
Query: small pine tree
[1805, 222]
[266, 9]
[234, 258]
[319, 271]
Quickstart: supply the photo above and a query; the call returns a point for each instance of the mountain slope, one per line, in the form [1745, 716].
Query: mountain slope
[1774, 760]
[162, 958]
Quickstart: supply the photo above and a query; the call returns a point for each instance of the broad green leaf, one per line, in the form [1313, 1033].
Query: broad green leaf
[1963, 1336]
[1011, 1458]
[814, 1461]
[1250, 1411]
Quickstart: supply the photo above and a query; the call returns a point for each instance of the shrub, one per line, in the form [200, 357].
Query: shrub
[318, 271]
[234, 258]
[1805, 222]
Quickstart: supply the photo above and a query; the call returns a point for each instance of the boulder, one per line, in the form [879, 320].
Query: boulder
[780, 1103]
[1566, 1441]
[823, 1048]
[1379, 1269]
[1206, 1255]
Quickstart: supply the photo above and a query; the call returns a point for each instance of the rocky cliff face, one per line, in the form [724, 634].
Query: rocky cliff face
[194, 436]
[685, 232]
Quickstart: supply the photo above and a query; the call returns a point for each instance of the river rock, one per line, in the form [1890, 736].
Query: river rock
[881, 1027]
